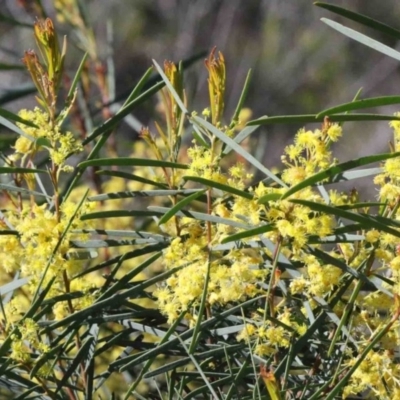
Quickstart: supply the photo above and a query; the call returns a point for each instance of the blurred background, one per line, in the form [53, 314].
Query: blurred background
[299, 64]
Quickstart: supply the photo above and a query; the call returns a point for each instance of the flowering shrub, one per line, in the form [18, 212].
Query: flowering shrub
[181, 265]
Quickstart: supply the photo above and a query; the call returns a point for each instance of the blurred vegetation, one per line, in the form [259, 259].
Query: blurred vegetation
[203, 272]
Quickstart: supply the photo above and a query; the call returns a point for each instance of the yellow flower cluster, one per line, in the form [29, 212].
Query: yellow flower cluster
[376, 373]
[59, 144]
[204, 164]
[40, 251]
[27, 340]
[270, 337]
[309, 153]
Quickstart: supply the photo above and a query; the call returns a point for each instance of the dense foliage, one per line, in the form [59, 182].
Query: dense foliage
[178, 266]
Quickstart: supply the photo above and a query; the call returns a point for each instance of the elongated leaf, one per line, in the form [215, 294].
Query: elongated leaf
[362, 19]
[131, 177]
[12, 188]
[366, 222]
[113, 301]
[139, 86]
[250, 232]
[10, 67]
[120, 284]
[112, 122]
[364, 39]
[18, 170]
[77, 77]
[143, 250]
[238, 149]
[243, 134]
[6, 232]
[80, 357]
[125, 233]
[11, 21]
[141, 193]
[178, 206]
[200, 216]
[269, 197]
[171, 88]
[344, 238]
[14, 117]
[139, 358]
[360, 205]
[44, 358]
[220, 186]
[359, 104]
[16, 93]
[310, 118]
[14, 285]
[334, 173]
[217, 352]
[129, 162]
[5, 122]
[359, 173]
[119, 214]
[243, 96]
[84, 244]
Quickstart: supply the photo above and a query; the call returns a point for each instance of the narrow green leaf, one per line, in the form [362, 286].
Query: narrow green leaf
[14, 117]
[365, 221]
[171, 88]
[178, 206]
[13, 285]
[354, 206]
[220, 186]
[364, 39]
[130, 162]
[6, 232]
[311, 118]
[12, 188]
[343, 238]
[10, 67]
[120, 284]
[269, 197]
[77, 76]
[213, 353]
[334, 173]
[359, 173]
[95, 244]
[250, 232]
[5, 122]
[18, 170]
[122, 113]
[362, 19]
[200, 216]
[139, 86]
[243, 96]
[118, 214]
[243, 134]
[237, 148]
[11, 21]
[44, 358]
[131, 177]
[141, 193]
[359, 104]
[79, 357]
[141, 251]
[114, 301]
[17, 93]
[125, 233]
[207, 324]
